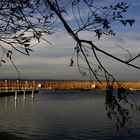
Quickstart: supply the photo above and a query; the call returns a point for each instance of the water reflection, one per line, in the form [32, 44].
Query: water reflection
[4, 103]
[15, 105]
[66, 115]
[19, 102]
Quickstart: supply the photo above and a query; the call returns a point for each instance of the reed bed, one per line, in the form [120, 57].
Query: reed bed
[66, 84]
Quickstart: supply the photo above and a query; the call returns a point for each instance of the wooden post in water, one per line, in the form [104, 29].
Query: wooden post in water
[33, 87]
[25, 85]
[17, 85]
[32, 94]
[24, 94]
[16, 95]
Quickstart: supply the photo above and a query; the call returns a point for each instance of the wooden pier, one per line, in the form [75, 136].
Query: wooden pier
[18, 92]
[29, 87]
[8, 88]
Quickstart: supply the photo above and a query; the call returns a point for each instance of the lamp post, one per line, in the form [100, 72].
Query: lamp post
[6, 88]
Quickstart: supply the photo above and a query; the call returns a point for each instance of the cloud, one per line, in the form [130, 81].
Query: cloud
[51, 61]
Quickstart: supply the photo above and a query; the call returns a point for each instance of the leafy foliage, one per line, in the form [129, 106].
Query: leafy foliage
[22, 22]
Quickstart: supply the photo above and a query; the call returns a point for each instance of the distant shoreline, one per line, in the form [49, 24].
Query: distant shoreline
[65, 84]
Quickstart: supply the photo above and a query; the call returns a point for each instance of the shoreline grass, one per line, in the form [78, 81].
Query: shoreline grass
[65, 84]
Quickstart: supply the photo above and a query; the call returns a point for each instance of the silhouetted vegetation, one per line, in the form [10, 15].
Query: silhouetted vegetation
[24, 23]
[115, 109]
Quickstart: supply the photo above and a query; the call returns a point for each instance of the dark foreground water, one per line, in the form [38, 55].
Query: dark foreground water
[62, 115]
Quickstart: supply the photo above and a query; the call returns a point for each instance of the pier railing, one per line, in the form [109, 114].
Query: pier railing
[11, 86]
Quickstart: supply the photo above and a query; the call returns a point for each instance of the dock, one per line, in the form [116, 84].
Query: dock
[9, 88]
[11, 93]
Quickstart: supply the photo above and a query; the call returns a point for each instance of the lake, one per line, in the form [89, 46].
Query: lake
[64, 115]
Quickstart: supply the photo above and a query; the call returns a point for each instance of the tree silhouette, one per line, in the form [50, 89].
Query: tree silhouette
[115, 109]
[27, 21]
[23, 23]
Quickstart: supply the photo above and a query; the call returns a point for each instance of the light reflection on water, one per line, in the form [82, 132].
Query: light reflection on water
[64, 115]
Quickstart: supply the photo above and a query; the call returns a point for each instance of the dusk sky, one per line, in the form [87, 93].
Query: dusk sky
[51, 61]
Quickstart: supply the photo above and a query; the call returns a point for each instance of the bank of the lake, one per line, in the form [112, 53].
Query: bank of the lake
[15, 85]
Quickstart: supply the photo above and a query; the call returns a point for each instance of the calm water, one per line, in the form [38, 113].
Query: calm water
[62, 115]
